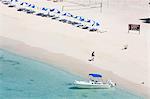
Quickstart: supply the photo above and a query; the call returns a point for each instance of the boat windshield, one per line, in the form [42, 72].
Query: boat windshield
[95, 77]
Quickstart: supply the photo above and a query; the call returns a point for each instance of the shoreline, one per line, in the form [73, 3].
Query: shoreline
[69, 64]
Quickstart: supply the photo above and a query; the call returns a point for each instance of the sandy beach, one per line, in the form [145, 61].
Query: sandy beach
[70, 48]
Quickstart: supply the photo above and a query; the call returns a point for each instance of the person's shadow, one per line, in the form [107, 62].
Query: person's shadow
[92, 56]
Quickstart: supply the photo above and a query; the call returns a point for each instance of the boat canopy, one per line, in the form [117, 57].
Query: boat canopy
[95, 75]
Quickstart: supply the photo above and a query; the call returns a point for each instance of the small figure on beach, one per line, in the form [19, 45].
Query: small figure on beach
[142, 82]
[92, 56]
[125, 47]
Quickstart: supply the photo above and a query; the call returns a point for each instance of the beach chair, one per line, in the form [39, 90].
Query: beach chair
[54, 18]
[11, 5]
[75, 23]
[50, 15]
[30, 12]
[63, 20]
[41, 14]
[69, 22]
[72, 22]
[93, 30]
[21, 9]
[85, 27]
[80, 25]
[6, 2]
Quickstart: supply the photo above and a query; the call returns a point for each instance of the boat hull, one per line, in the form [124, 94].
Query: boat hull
[91, 85]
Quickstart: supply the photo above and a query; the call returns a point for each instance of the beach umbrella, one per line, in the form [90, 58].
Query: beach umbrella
[51, 10]
[88, 20]
[76, 17]
[20, 4]
[64, 14]
[14, 2]
[68, 14]
[44, 10]
[55, 12]
[24, 4]
[81, 18]
[58, 12]
[97, 25]
[92, 22]
[32, 7]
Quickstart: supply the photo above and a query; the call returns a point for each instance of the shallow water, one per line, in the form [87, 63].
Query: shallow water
[23, 78]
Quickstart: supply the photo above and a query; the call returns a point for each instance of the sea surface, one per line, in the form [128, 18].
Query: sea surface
[24, 78]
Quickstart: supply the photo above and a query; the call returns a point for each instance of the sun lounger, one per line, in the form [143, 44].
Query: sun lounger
[79, 25]
[85, 27]
[75, 23]
[21, 9]
[44, 15]
[93, 30]
[51, 15]
[72, 22]
[69, 22]
[25, 9]
[30, 12]
[39, 14]
[54, 18]
[6, 2]
[11, 6]
[63, 20]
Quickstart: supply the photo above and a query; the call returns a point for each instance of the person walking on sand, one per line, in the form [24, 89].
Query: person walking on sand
[92, 56]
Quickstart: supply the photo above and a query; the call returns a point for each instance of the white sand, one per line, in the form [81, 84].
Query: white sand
[52, 36]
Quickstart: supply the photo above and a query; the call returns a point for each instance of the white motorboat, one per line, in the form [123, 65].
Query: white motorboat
[94, 83]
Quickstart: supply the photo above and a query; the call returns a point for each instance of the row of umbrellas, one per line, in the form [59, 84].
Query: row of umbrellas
[47, 11]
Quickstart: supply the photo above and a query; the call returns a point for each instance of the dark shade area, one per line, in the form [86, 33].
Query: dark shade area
[146, 20]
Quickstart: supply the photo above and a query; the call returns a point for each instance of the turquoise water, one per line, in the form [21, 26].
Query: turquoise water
[23, 78]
